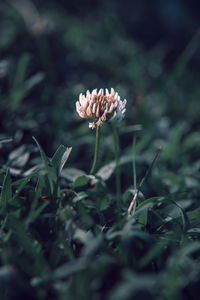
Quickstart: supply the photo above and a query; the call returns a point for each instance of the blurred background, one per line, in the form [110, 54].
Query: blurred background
[148, 51]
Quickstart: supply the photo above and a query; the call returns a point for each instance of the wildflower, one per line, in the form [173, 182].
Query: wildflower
[100, 106]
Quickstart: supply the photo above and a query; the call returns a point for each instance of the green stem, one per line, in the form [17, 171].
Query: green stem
[96, 151]
[134, 164]
[117, 170]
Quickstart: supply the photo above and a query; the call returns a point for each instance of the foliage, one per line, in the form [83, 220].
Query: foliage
[131, 229]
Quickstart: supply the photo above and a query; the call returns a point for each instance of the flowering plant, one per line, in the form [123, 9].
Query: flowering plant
[100, 106]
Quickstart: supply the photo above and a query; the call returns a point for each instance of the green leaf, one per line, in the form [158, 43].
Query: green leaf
[31, 248]
[60, 157]
[21, 91]
[80, 196]
[49, 167]
[142, 209]
[172, 149]
[21, 235]
[70, 268]
[18, 89]
[184, 216]
[191, 141]
[143, 217]
[194, 214]
[150, 202]
[21, 70]
[72, 174]
[35, 212]
[39, 187]
[130, 193]
[23, 183]
[106, 171]
[33, 80]
[103, 203]
[6, 192]
[19, 157]
[154, 252]
[189, 249]
[149, 169]
[82, 182]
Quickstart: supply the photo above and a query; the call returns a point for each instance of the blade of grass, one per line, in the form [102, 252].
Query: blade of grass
[134, 164]
[24, 182]
[27, 244]
[49, 167]
[60, 157]
[6, 192]
[117, 169]
[132, 205]
[149, 169]
[34, 214]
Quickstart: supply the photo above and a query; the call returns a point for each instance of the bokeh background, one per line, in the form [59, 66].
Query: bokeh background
[62, 239]
[50, 51]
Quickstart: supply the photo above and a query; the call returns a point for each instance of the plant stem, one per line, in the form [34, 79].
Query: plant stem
[117, 170]
[96, 150]
[134, 164]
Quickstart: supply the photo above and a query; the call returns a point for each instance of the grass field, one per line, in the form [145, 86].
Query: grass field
[131, 229]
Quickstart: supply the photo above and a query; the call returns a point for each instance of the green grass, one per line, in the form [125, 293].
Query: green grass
[131, 228]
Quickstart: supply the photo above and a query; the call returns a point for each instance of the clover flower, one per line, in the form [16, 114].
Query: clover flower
[100, 106]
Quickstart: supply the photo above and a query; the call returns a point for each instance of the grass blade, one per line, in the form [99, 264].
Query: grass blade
[49, 167]
[149, 169]
[6, 192]
[60, 157]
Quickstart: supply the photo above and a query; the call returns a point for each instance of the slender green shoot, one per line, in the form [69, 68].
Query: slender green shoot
[134, 165]
[96, 150]
[117, 170]
[132, 205]
[149, 169]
